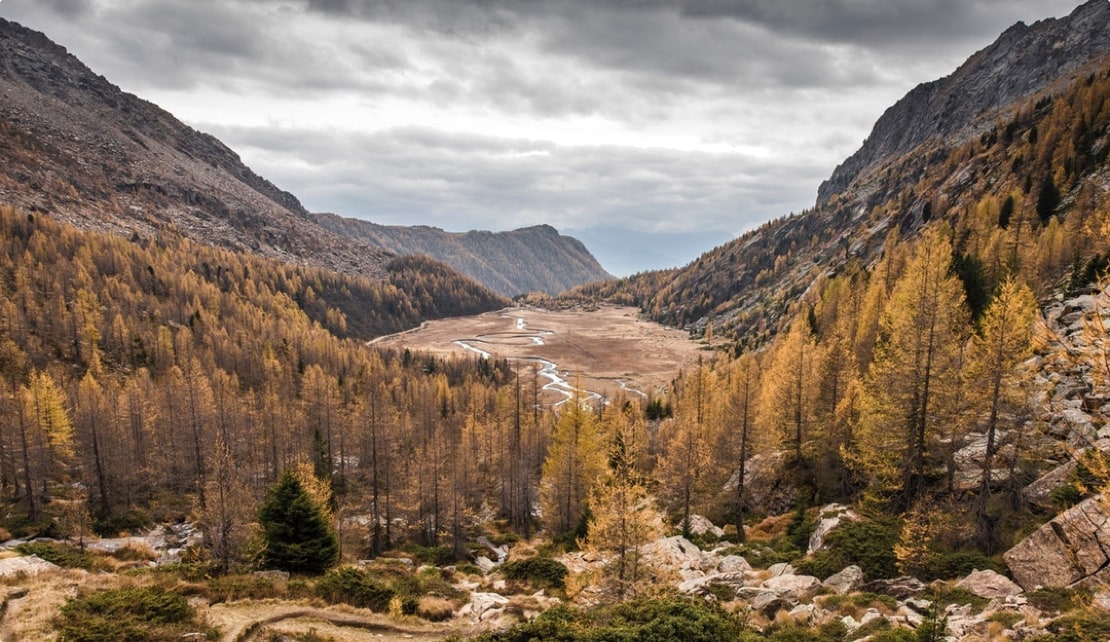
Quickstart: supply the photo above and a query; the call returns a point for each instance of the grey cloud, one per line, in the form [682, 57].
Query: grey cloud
[448, 180]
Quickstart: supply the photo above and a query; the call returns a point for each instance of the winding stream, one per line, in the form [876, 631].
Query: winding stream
[548, 369]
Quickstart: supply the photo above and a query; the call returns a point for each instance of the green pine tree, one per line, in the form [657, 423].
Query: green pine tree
[298, 536]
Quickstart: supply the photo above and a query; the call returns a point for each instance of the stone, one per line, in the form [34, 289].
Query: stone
[482, 604]
[802, 588]
[900, 588]
[782, 568]
[677, 554]
[1068, 549]
[1039, 492]
[273, 575]
[989, 584]
[700, 526]
[485, 563]
[846, 580]
[702, 585]
[830, 517]
[29, 565]
[770, 603]
[733, 564]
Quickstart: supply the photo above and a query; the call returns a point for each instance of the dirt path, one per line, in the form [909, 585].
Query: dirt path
[255, 621]
[604, 351]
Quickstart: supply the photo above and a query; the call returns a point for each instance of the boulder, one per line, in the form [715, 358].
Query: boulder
[830, 518]
[484, 604]
[900, 588]
[702, 585]
[1068, 549]
[782, 568]
[846, 580]
[801, 588]
[28, 565]
[1039, 492]
[700, 526]
[989, 584]
[733, 564]
[677, 554]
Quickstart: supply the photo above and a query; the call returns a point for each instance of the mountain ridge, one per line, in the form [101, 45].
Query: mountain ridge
[99, 158]
[1022, 61]
[529, 259]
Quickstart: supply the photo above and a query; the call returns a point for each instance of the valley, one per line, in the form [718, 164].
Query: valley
[604, 350]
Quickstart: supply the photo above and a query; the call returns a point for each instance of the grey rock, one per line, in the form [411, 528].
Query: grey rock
[989, 584]
[846, 580]
[1068, 549]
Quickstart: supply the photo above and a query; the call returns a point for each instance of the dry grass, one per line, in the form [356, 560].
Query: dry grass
[600, 346]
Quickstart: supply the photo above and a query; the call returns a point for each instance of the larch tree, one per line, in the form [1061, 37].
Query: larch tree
[1004, 341]
[917, 353]
[574, 461]
[623, 514]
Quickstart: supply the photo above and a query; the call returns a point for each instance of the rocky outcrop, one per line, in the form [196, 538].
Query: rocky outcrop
[1074, 547]
[829, 518]
[1024, 60]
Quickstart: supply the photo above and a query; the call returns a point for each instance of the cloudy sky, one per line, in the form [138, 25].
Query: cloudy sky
[650, 129]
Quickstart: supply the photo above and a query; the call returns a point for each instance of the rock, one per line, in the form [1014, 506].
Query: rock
[850, 623]
[1068, 549]
[700, 526]
[989, 584]
[770, 603]
[501, 552]
[801, 588]
[803, 613]
[1039, 492]
[782, 568]
[702, 585]
[733, 564]
[846, 580]
[900, 588]
[273, 576]
[485, 563]
[830, 518]
[29, 565]
[677, 554]
[482, 604]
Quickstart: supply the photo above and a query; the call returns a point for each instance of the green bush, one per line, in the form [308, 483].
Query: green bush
[129, 615]
[542, 571]
[432, 555]
[1054, 599]
[228, 588]
[869, 545]
[947, 566]
[348, 585]
[129, 522]
[1079, 627]
[297, 536]
[58, 553]
[662, 620]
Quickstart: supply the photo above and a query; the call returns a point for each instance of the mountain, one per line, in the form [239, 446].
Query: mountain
[530, 259]
[1024, 60]
[77, 147]
[980, 149]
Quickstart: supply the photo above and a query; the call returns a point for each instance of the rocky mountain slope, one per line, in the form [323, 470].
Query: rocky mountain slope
[530, 259]
[78, 147]
[1024, 60]
[1022, 119]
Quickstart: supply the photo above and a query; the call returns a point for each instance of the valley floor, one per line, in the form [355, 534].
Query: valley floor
[605, 350]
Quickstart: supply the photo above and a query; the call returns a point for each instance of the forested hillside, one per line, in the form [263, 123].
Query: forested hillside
[1026, 195]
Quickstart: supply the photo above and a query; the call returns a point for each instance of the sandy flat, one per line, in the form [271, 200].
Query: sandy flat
[605, 349]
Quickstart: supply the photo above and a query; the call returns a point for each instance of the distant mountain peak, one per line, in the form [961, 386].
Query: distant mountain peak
[1022, 61]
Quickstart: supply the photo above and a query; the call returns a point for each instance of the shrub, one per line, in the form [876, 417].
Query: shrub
[348, 585]
[1078, 627]
[58, 553]
[435, 609]
[869, 545]
[432, 555]
[542, 571]
[947, 566]
[228, 588]
[1052, 599]
[124, 615]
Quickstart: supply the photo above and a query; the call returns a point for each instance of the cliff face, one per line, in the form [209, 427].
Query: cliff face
[531, 259]
[1024, 60]
[78, 147]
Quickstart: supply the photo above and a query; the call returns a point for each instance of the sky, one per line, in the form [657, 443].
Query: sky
[652, 130]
